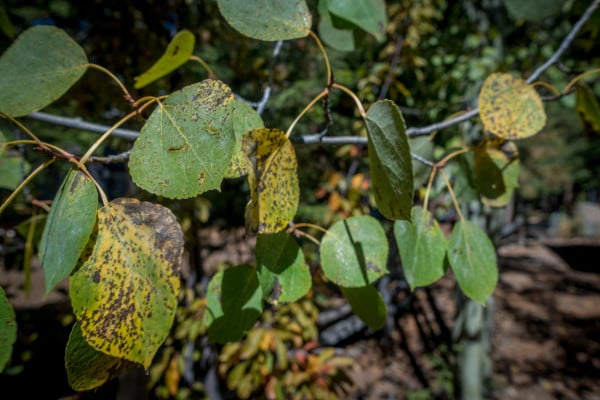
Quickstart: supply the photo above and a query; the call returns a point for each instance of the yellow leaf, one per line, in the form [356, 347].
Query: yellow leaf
[510, 108]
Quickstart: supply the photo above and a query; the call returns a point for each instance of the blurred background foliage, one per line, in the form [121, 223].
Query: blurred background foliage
[432, 63]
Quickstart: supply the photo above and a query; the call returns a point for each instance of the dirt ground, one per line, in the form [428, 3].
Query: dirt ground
[546, 342]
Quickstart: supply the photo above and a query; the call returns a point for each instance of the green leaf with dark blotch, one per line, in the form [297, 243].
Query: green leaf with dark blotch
[588, 107]
[269, 20]
[72, 218]
[186, 144]
[40, 223]
[368, 15]
[422, 246]
[354, 251]
[234, 303]
[125, 293]
[423, 147]
[245, 119]
[472, 257]
[8, 330]
[367, 303]
[510, 108]
[178, 52]
[496, 173]
[273, 180]
[13, 169]
[88, 368]
[390, 160]
[282, 271]
[533, 10]
[339, 39]
[38, 68]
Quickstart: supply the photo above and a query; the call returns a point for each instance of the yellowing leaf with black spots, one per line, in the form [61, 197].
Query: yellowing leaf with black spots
[510, 108]
[354, 251]
[186, 144]
[178, 52]
[88, 368]
[125, 293]
[273, 180]
[245, 119]
[390, 160]
[496, 171]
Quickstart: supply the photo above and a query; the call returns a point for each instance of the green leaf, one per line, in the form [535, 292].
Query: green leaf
[423, 147]
[186, 144]
[339, 39]
[8, 329]
[234, 303]
[245, 119]
[125, 294]
[496, 173]
[588, 107]
[273, 180]
[354, 251]
[40, 223]
[282, 272]
[472, 257]
[390, 160]
[87, 368]
[2, 144]
[422, 246]
[38, 68]
[533, 10]
[269, 20]
[178, 52]
[68, 227]
[510, 108]
[368, 15]
[13, 169]
[367, 303]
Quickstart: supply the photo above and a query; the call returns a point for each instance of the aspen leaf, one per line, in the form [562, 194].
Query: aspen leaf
[282, 271]
[390, 160]
[354, 251]
[496, 171]
[368, 15]
[268, 20]
[472, 257]
[588, 106]
[367, 304]
[533, 10]
[38, 68]
[273, 180]
[12, 167]
[245, 119]
[125, 293]
[88, 368]
[178, 52]
[422, 246]
[510, 108]
[8, 330]
[234, 303]
[339, 39]
[186, 145]
[72, 218]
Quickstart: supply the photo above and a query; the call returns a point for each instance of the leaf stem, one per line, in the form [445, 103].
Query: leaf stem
[350, 93]
[28, 179]
[452, 195]
[211, 73]
[429, 185]
[580, 77]
[23, 128]
[308, 225]
[325, 57]
[442, 163]
[126, 93]
[310, 105]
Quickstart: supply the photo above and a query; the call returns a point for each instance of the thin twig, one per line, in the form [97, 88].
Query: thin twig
[78, 123]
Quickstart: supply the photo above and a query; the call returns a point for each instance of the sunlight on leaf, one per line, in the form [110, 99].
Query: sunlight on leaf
[273, 180]
[510, 108]
[282, 271]
[354, 251]
[269, 20]
[88, 368]
[38, 68]
[125, 294]
[422, 246]
[472, 257]
[187, 143]
[178, 52]
[390, 160]
[72, 218]
[8, 329]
